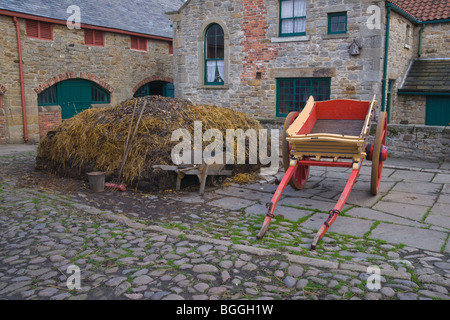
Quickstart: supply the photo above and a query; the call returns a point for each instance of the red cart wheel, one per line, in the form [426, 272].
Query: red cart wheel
[301, 174]
[379, 153]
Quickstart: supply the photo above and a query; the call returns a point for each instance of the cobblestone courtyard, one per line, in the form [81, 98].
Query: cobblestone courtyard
[175, 246]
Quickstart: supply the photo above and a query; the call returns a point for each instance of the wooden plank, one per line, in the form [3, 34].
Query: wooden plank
[369, 116]
[302, 118]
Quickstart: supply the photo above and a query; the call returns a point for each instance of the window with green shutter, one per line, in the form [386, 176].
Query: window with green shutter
[214, 55]
[337, 23]
[292, 18]
[293, 93]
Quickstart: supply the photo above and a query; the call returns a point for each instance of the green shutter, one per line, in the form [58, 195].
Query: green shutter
[168, 90]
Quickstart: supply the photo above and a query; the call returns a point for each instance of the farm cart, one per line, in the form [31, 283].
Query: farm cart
[330, 133]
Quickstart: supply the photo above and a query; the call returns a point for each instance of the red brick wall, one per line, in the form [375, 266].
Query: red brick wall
[48, 120]
[259, 51]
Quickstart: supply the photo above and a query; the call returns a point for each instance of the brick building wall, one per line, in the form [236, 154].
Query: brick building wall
[115, 67]
[255, 54]
[49, 119]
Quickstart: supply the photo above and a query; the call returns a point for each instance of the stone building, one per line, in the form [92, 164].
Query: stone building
[60, 57]
[265, 57]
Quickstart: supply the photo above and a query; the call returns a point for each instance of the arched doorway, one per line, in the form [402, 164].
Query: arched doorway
[161, 88]
[74, 96]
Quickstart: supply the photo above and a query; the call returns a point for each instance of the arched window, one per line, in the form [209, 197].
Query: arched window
[214, 55]
[161, 88]
[74, 96]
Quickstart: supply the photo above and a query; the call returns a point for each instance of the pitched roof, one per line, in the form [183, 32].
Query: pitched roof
[428, 76]
[140, 16]
[425, 10]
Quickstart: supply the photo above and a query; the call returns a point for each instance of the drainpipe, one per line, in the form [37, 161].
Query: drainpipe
[386, 53]
[22, 86]
[420, 39]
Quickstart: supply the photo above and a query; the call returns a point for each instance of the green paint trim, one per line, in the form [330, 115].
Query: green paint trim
[435, 21]
[424, 93]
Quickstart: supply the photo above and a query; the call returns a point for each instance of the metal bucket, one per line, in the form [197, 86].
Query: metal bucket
[97, 181]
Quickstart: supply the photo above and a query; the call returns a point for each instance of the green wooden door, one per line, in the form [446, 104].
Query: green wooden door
[438, 111]
[74, 96]
[168, 90]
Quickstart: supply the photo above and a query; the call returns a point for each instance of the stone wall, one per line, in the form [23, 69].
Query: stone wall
[409, 109]
[419, 142]
[401, 55]
[115, 67]
[255, 55]
[436, 41]
[2, 123]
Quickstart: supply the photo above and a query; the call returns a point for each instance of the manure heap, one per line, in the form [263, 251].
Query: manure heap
[95, 139]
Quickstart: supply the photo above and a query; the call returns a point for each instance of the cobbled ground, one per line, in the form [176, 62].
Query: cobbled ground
[177, 246]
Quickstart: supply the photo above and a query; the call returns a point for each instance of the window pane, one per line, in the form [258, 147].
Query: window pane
[47, 96]
[142, 91]
[287, 9]
[220, 47]
[299, 8]
[294, 93]
[215, 42]
[210, 71]
[300, 25]
[287, 26]
[98, 95]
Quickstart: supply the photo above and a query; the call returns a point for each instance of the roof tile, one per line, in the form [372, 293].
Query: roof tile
[425, 10]
[140, 16]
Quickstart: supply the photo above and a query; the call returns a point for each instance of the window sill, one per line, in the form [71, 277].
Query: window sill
[215, 87]
[407, 46]
[290, 39]
[335, 36]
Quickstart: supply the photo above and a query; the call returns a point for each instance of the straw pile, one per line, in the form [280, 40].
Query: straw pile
[94, 140]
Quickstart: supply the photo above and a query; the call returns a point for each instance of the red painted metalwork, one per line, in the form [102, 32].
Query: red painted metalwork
[276, 197]
[338, 207]
[22, 86]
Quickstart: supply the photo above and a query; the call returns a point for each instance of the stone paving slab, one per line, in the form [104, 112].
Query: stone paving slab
[407, 211]
[342, 225]
[418, 187]
[375, 215]
[288, 213]
[232, 203]
[309, 204]
[442, 178]
[415, 237]
[363, 198]
[245, 193]
[411, 198]
[439, 215]
[413, 175]
[444, 198]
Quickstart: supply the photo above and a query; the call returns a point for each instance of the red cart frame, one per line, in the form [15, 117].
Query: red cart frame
[326, 130]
